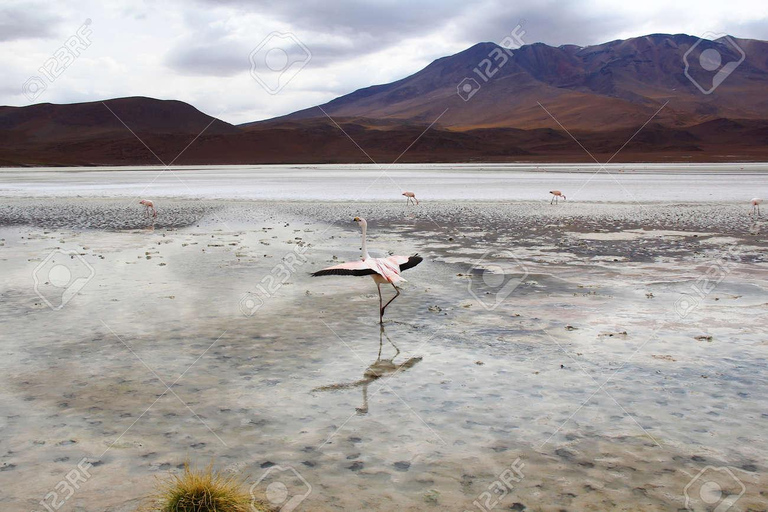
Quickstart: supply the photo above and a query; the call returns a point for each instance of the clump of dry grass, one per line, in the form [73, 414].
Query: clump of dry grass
[202, 490]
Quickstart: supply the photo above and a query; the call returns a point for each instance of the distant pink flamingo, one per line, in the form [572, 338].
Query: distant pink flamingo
[411, 197]
[383, 270]
[756, 205]
[149, 205]
[555, 195]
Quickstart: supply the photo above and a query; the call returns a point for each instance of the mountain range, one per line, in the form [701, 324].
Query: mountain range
[535, 103]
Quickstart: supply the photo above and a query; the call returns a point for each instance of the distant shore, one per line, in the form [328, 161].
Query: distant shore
[652, 183]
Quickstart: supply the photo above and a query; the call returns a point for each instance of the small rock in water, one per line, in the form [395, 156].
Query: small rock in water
[402, 465]
[703, 338]
[479, 363]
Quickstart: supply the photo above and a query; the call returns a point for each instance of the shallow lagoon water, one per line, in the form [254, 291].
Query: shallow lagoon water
[585, 370]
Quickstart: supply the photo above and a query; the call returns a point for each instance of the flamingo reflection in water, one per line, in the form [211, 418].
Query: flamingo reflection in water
[375, 371]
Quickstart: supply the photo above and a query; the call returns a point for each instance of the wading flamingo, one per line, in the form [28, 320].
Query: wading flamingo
[555, 195]
[411, 197]
[149, 205]
[756, 205]
[383, 270]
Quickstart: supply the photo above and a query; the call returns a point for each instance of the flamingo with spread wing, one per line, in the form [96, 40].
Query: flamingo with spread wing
[383, 270]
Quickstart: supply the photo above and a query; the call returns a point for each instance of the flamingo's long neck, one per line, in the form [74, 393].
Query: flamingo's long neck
[365, 245]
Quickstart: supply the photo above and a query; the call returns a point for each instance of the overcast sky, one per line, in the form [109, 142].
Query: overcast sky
[198, 51]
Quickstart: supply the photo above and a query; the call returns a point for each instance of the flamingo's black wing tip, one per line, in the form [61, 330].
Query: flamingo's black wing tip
[412, 262]
[343, 272]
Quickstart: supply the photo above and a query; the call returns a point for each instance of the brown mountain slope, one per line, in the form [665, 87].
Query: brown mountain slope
[321, 141]
[79, 120]
[98, 132]
[612, 85]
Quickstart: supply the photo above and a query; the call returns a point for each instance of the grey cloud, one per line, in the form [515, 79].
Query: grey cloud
[219, 58]
[27, 22]
[552, 22]
[350, 18]
[357, 30]
[757, 29]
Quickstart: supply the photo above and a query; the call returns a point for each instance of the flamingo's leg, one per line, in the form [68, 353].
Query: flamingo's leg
[553, 200]
[397, 294]
[381, 308]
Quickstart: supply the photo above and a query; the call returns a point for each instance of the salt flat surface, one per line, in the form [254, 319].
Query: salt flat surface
[480, 182]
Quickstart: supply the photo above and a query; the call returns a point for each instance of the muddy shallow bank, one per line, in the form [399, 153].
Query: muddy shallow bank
[556, 335]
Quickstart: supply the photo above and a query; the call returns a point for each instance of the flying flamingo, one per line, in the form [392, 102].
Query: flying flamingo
[149, 205]
[555, 195]
[383, 270]
[756, 205]
[411, 197]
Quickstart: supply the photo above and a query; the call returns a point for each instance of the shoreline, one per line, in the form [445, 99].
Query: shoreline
[531, 166]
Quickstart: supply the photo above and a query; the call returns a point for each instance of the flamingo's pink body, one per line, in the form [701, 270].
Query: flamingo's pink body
[382, 270]
[149, 206]
[411, 197]
[555, 195]
[756, 205]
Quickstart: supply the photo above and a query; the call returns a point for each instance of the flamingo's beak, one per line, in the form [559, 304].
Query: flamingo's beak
[356, 219]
